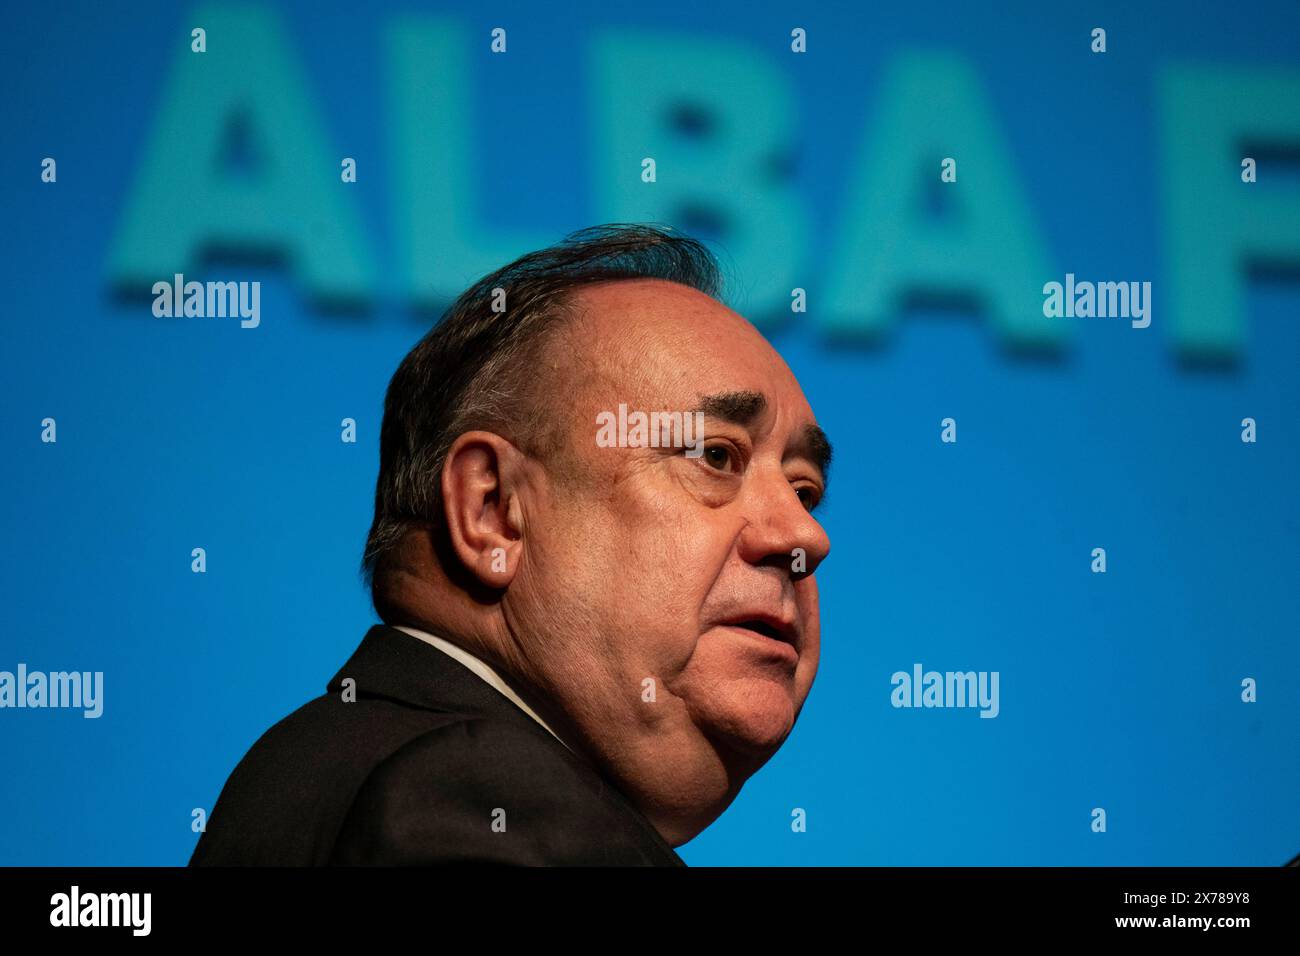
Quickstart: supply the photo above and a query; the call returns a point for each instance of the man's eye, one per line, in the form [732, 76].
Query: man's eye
[719, 456]
[809, 497]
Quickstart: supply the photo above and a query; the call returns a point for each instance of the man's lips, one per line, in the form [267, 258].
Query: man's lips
[766, 624]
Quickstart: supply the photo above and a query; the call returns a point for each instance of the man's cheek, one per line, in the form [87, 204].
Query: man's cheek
[806, 601]
[809, 658]
[699, 489]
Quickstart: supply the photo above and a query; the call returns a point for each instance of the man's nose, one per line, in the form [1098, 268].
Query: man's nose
[781, 530]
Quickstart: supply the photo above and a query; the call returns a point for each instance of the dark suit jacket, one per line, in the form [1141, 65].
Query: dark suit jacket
[413, 772]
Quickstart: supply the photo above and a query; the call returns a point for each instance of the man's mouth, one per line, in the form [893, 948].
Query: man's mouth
[767, 625]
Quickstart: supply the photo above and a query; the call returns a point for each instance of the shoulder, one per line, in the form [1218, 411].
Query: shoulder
[337, 742]
[482, 790]
[285, 799]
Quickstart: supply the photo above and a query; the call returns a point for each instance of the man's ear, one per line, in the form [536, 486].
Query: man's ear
[481, 501]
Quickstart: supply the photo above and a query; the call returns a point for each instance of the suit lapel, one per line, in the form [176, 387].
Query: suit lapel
[390, 663]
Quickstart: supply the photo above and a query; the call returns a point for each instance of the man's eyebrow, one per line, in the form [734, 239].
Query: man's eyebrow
[816, 447]
[739, 408]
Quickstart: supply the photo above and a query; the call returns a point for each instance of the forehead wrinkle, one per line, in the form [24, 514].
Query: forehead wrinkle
[614, 350]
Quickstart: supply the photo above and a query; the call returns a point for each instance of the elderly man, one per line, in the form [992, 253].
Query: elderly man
[592, 636]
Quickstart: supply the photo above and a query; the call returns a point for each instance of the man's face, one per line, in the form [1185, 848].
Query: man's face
[670, 596]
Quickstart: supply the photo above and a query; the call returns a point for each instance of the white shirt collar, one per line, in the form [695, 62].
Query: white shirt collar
[482, 669]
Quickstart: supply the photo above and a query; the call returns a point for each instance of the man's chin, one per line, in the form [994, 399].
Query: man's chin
[751, 720]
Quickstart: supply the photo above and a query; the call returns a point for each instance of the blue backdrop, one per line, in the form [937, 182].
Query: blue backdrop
[1120, 690]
